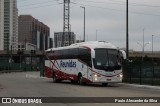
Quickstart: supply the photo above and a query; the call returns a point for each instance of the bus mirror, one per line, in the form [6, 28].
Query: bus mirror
[123, 54]
[93, 54]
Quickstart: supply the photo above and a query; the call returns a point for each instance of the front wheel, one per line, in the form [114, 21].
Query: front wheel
[104, 84]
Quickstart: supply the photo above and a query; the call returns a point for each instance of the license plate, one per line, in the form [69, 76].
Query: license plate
[108, 79]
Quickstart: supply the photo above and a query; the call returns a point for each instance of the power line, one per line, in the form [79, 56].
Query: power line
[123, 11]
[36, 3]
[120, 3]
[39, 6]
[113, 2]
[32, 2]
[97, 7]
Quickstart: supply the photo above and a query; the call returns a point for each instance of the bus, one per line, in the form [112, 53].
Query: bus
[86, 62]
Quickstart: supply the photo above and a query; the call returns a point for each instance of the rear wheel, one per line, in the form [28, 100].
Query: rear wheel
[55, 78]
[80, 79]
[73, 81]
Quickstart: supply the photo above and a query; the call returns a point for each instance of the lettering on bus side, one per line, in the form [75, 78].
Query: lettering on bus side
[69, 64]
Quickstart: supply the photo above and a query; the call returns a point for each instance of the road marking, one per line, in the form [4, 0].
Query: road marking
[33, 76]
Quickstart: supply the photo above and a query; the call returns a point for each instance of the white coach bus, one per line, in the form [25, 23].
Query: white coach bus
[87, 62]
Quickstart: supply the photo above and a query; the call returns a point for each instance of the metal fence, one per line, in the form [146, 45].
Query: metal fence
[36, 64]
[141, 72]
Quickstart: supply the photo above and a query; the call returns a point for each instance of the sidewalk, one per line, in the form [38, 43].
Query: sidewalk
[141, 86]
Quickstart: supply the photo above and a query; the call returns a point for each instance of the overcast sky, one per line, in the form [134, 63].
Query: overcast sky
[108, 17]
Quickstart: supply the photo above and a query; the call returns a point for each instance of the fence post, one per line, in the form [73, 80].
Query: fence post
[152, 73]
[140, 72]
[130, 70]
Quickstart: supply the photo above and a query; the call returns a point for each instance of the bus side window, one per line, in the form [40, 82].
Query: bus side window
[85, 56]
[72, 53]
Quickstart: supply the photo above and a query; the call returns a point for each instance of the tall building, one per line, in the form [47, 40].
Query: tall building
[32, 31]
[51, 43]
[8, 25]
[59, 38]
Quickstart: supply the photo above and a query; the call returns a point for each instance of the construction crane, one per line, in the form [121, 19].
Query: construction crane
[66, 22]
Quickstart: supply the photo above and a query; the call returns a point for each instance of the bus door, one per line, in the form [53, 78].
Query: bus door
[86, 71]
[89, 71]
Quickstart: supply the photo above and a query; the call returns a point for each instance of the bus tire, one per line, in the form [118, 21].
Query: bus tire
[80, 79]
[55, 78]
[73, 81]
[104, 84]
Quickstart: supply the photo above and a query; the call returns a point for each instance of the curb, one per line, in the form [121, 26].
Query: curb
[141, 86]
[10, 71]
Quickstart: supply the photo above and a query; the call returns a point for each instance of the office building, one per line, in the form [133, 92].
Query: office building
[32, 31]
[8, 25]
[59, 38]
[51, 43]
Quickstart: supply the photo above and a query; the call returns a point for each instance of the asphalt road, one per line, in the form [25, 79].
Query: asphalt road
[29, 84]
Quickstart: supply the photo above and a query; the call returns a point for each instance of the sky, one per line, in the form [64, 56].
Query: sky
[104, 18]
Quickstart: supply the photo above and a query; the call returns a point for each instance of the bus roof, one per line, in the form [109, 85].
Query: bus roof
[90, 44]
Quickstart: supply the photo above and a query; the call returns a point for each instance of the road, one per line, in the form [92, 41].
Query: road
[29, 84]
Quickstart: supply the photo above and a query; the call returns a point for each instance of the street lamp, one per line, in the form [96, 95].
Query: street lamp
[127, 32]
[152, 62]
[152, 42]
[84, 21]
[152, 46]
[69, 33]
[96, 34]
[143, 46]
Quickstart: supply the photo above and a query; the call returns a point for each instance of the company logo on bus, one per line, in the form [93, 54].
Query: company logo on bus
[67, 64]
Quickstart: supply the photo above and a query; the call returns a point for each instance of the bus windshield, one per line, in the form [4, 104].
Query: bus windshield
[107, 59]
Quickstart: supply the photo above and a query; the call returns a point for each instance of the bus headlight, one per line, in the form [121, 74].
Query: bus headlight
[121, 76]
[95, 76]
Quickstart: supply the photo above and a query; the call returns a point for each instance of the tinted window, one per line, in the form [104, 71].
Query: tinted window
[85, 56]
[106, 59]
[82, 54]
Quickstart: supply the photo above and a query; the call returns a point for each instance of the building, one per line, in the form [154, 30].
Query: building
[58, 38]
[51, 43]
[79, 41]
[33, 32]
[8, 25]
[27, 46]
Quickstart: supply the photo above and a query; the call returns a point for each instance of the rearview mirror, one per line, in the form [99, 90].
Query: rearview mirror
[93, 54]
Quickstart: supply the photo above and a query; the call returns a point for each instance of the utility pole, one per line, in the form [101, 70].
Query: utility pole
[127, 34]
[143, 44]
[11, 47]
[152, 63]
[25, 54]
[96, 34]
[70, 34]
[8, 46]
[84, 22]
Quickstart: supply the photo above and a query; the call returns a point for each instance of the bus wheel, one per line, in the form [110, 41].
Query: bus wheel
[73, 81]
[55, 78]
[104, 84]
[80, 80]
